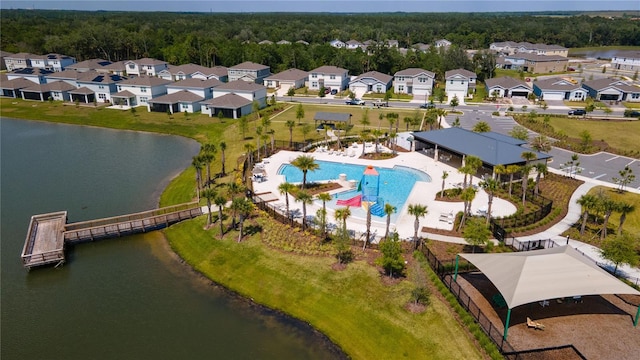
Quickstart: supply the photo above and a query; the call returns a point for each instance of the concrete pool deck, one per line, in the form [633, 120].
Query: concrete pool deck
[423, 193]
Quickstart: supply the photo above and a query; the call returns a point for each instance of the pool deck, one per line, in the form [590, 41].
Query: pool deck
[422, 193]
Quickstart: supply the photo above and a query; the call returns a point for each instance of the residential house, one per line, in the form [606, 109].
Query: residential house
[179, 101]
[145, 66]
[102, 86]
[536, 64]
[53, 62]
[353, 44]
[442, 43]
[139, 90]
[3, 54]
[337, 44]
[88, 65]
[18, 61]
[329, 77]
[36, 75]
[249, 71]
[188, 71]
[265, 42]
[69, 76]
[510, 48]
[240, 103]
[414, 81]
[57, 90]
[371, 81]
[626, 60]
[506, 87]
[13, 88]
[612, 90]
[459, 83]
[290, 78]
[421, 47]
[392, 43]
[200, 87]
[559, 89]
[302, 42]
[284, 42]
[118, 68]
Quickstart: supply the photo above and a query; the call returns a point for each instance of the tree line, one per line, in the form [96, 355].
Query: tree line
[227, 39]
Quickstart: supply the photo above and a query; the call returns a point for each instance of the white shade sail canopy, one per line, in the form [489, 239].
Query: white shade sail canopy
[530, 276]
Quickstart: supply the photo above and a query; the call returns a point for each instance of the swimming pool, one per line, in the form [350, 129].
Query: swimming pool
[395, 184]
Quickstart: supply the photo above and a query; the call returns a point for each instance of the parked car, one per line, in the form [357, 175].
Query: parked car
[428, 106]
[355, 101]
[577, 112]
[334, 91]
[327, 90]
[631, 113]
[380, 103]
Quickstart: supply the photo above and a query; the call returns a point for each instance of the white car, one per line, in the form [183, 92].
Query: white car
[355, 102]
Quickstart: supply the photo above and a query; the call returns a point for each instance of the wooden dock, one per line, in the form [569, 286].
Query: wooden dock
[49, 233]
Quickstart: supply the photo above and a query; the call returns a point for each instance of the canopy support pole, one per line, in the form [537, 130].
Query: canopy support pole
[635, 322]
[506, 324]
[455, 274]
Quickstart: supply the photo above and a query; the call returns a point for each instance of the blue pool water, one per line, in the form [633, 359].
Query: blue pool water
[395, 184]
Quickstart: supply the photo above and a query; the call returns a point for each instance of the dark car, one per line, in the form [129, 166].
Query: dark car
[334, 91]
[428, 106]
[577, 112]
[631, 113]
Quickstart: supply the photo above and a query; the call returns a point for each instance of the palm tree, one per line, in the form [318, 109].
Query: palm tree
[511, 170]
[285, 189]
[324, 197]
[368, 233]
[624, 209]
[249, 148]
[445, 175]
[207, 158]
[209, 194]
[290, 125]
[299, 113]
[258, 138]
[388, 210]
[490, 185]
[223, 147]
[441, 113]
[498, 170]
[541, 169]
[481, 126]
[466, 170]
[417, 211]
[244, 207]
[608, 206]
[197, 164]
[305, 163]
[342, 215]
[234, 189]
[365, 119]
[364, 135]
[525, 170]
[377, 133]
[243, 124]
[430, 118]
[305, 198]
[473, 162]
[588, 203]
[220, 201]
[541, 143]
[467, 196]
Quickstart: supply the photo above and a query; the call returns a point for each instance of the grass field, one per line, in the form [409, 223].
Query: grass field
[618, 134]
[353, 307]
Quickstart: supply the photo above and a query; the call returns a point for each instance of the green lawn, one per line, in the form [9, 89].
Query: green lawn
[618, 134]
[352, 307]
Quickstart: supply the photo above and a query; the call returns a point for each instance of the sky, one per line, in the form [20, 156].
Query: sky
[348, 6]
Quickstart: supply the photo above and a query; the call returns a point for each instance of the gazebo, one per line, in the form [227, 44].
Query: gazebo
[331, 117]
[530, 276]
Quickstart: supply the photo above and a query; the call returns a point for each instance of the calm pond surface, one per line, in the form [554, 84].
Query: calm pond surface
[127, 298]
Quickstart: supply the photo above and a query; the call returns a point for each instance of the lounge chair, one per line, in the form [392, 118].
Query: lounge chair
[534, 324]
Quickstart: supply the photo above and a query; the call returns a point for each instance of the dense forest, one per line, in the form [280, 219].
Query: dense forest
[228, 39]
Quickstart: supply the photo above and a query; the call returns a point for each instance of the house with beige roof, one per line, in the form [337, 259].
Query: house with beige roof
[188, 71]
[459, 83]
[249, 71]
[36, 75]
[626, 60]
[506, 87]
[18, 61]
[145, 66]
[290, 78]
[139, 90]
[559, 89]
[118, 68]
[511, 47]
[200, 87]
[57, 90]
[414, 81]
[13, 88]
[53, 62]
[176, 102]
[87, 65]
[329, 77]
[99, 84]
[235, 99]
[372, 81]
[69, 76]
[536, 64]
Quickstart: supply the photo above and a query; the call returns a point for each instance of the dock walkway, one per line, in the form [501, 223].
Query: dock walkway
[49, 233]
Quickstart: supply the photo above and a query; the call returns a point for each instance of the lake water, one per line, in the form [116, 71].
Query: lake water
[126, 298]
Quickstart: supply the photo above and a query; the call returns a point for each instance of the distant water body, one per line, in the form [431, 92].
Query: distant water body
[125, 298]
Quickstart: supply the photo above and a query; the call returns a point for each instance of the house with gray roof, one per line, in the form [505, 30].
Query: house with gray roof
[188, 71]
[265, 42]
[290, 78]
[68, 75]
[230, 105]
[57, 90]
[329, 77]
[353, 44]
[559, 89]
[511, 47]
[118, 68]
[626, 60]
[442, 43]
[507, 86]
[53, 62]
[536, 64]
[101, 85]
[176, 102]
[454, 144]
[249, 71]
[371, 81]
[36, 75]
[87, 65]
[459, 83]
[3, 54]
[139, 90]
[18, 61]
[13, 88]
[612, 90]
[284, 42]
[200, 87]
[337, 44]
[145, 66]
[414, 81]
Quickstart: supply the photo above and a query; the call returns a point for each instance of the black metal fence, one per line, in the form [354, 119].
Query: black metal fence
[499, 226]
